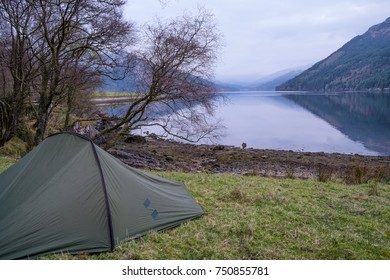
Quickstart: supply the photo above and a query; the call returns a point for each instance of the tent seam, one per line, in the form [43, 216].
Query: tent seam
[107, 202]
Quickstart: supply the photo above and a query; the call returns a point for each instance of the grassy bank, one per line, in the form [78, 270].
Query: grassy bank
[11, 152]
[252, 217]
[102, 94]
[5, 162]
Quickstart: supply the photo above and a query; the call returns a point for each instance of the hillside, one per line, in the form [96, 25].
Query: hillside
[265, 83]
[361, 64]
[275, 81]
[127, 84]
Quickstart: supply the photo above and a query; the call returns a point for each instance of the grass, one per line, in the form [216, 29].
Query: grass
[5, 162]
[252, 217]
[11, 152]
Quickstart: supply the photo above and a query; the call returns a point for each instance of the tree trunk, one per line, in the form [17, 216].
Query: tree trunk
[68, 110]
[11, 112]
[42, 116]
[40, 132]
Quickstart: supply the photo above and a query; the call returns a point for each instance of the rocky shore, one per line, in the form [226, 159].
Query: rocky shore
[152, 153]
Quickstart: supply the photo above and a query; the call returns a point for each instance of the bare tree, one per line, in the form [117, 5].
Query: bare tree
[53, 49]
[87, 35]
[174, 69]
[15, 62]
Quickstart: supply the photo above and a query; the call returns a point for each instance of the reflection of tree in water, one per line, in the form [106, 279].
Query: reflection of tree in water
[363, 117]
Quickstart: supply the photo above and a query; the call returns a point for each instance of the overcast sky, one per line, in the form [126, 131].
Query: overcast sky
[265, 36]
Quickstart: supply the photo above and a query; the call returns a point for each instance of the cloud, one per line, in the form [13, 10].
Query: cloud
[265, 36]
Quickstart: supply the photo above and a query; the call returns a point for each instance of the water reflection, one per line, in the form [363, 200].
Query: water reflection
[362, 117]
[344, 123]
[316, 122]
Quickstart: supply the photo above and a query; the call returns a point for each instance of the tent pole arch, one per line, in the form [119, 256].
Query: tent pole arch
[106, 199]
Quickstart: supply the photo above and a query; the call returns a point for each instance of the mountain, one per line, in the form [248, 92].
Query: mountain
[127, 84]
[222, 86]
[274, 82]
[268, 82]
[361, 64]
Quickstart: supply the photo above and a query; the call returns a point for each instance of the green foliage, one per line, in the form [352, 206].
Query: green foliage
[250, 217]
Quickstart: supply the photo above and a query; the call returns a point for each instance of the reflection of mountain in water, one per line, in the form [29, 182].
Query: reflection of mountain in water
[364, 118]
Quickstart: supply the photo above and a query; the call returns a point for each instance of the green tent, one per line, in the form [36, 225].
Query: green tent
[68, 195]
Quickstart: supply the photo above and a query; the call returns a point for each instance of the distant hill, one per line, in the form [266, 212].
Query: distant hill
[268, 82]
[274, 82]
[122, 85]
[265, 83]
[361, 64]
[221, 86]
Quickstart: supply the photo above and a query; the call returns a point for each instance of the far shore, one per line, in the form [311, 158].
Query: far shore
[107, 101]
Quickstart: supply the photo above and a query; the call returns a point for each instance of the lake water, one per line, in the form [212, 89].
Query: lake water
[343, 123]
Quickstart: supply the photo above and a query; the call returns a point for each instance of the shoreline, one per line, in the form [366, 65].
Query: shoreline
[166, 155]
[107, 101]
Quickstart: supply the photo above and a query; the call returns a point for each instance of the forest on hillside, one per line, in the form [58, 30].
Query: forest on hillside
[361, 64]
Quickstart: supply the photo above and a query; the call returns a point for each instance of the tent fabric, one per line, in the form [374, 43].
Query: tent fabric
[69, 195]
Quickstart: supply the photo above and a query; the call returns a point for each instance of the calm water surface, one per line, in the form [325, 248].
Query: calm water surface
[344, 123]
[314, 122]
